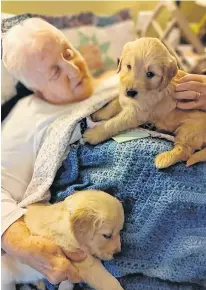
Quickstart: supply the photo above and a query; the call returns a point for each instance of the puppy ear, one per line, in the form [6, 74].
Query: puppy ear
[84, 223]
[119, 65]
[203, 72]
[173, 53]
[169, 70]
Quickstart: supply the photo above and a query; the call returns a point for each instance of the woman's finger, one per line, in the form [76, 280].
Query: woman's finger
[188, 105]
[191, 86]
[192, 77]
[199, 104]
[186, 95]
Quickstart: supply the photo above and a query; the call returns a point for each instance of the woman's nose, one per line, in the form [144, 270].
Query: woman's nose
[72, 70]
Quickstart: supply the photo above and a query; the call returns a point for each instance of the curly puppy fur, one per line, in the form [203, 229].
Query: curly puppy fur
[149, 72]
[88, 220]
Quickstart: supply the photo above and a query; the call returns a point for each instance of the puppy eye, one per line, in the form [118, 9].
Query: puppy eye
[150, 74]
[129, 66]
[107, 236]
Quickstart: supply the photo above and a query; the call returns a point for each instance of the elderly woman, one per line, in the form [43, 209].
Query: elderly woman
[57, 74]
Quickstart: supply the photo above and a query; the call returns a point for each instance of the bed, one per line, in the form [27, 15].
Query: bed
[164, 239]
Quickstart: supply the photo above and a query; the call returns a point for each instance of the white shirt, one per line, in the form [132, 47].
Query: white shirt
[22, 132]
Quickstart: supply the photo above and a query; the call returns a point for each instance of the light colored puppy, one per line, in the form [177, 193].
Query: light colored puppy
[148, 76]
[88, 220]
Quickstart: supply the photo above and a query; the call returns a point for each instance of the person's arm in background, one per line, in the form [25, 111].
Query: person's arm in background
[191, 92]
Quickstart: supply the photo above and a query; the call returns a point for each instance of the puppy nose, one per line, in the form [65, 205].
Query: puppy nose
[131, 93]
[117, 254]
[118, 248]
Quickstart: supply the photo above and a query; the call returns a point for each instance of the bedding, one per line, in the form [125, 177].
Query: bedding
[165, 228]
[164, 240]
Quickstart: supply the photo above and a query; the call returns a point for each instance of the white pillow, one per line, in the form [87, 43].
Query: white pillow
[101, 46]
[8, 82]
[6, 15]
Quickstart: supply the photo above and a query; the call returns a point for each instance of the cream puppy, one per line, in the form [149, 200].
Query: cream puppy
[148, 76]
[88, 220]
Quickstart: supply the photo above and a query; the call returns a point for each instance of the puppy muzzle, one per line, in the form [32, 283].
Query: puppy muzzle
[131, 93]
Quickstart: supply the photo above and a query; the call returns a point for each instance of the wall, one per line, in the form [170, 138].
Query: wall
[68, 7]
[193, 12]
[189, 8]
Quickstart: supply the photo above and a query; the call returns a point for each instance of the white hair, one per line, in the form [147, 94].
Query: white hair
[21, 41]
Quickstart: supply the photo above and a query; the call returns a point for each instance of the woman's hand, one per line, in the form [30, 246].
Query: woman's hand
[191, 92]
[40, 254]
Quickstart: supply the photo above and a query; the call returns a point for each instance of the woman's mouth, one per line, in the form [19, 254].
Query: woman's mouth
[80, 82]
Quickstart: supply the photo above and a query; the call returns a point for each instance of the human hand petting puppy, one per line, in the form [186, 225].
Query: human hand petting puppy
[191, 88]
[151, 88]
[40, 253]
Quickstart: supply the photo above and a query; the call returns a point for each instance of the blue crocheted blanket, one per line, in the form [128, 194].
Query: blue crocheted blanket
[164, 238]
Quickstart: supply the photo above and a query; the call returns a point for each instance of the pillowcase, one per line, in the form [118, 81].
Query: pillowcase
[67, 21]
[101, 46]
[100, 40]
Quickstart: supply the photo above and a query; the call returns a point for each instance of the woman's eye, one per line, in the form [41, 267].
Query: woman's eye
[150, 74]
[129, 66]
[107, 236]
[55, 72]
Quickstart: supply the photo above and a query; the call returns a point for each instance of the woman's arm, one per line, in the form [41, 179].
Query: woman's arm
[40, 253]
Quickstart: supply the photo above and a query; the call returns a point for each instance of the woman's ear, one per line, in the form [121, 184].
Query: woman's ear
[38, 94]
[84, 222]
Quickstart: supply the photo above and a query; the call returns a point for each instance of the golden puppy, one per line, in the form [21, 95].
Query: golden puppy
[148, 76]
[88, 220]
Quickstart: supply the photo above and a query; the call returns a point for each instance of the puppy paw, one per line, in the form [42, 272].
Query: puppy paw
[95, 135]
[115, 286]
[164, 160]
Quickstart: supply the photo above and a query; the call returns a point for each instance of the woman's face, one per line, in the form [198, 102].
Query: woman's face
[61, 73]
